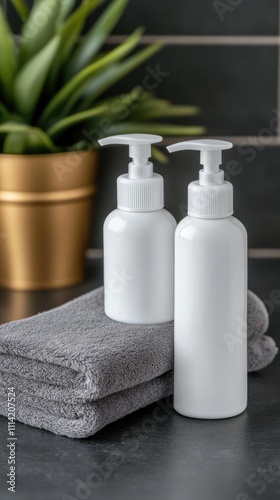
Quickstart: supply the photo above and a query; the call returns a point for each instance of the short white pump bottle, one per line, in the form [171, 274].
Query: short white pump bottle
[210, 295]
[139, 241]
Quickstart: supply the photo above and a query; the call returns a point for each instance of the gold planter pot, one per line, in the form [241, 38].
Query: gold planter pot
[45, 218]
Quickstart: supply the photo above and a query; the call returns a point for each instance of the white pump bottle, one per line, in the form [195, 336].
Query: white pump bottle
[210, 295]
[139, 241]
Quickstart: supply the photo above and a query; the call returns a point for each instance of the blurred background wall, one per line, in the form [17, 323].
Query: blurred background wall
[222, 56]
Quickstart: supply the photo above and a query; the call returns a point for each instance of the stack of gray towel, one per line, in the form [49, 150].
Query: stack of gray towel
[75, 371]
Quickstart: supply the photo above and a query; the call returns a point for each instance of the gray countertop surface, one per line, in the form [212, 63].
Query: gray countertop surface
[146, 457]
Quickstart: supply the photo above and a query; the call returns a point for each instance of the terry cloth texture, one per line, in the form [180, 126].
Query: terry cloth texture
[75, 370]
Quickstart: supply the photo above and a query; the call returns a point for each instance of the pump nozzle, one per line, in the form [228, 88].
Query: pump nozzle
[141, 190]
[210, 151]
[139, 145]
[211, 197]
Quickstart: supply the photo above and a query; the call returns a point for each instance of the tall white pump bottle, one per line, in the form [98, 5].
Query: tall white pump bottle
[210, 295]
[139, 242]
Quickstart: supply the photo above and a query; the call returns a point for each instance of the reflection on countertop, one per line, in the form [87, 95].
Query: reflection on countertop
[19, 305]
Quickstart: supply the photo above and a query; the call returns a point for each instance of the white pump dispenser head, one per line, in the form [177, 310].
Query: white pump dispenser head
[211, 197]
[140, 190]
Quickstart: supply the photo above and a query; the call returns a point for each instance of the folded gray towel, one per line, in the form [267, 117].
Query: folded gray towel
[84, 420]
[77, 352]
[261, 348]
[261, 352]
[75, 370]
[258, 318]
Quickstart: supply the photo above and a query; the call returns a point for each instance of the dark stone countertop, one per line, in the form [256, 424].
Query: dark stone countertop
[143, 457]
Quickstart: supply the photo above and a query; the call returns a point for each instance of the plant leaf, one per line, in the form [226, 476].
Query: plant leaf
[65, 9]
[71, 29]
[159, 155]
[154, 128]
[7, 116]
[33, 138]
[116, 72]
[69, 94]
[39, 29]
[8, 61]
[21, 8]
[104, 61]
[96, 37]
[72, 120]
[120, 107]
[14, 143]
[155, 112]
[80, 146]
[153, 102]
[4, 112]
[31, 78]
[69, 33]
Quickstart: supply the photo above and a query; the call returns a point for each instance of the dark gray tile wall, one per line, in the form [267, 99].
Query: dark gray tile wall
[191, 17]
[236, 87]
[253, 171]
[200, 17]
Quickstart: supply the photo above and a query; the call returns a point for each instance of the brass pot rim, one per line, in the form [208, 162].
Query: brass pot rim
[50, 172]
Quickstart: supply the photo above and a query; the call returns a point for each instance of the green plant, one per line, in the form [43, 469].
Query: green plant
[51, 84]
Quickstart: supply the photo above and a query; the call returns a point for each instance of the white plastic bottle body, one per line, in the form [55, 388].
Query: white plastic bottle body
[139, 266]
[210, 318]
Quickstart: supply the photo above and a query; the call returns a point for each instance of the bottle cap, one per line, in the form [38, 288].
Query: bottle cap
[211, 197]
[141, 190]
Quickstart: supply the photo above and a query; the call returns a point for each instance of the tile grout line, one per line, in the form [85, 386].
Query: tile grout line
[202, 40]
[194, 40]
[253, 253]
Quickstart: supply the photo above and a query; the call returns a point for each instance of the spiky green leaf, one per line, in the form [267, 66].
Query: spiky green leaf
[72, 28]
[67, 97]
[159, 155]
[4, 112]
[162, 112]
[39, 29]
[65, 9]
[116, 72]
[96, 37]
[154, 128]
[15, 144]
[28, 138]
[69, 33]
[21, 8]
[31, 78]
[72, 120]
[8, 61]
